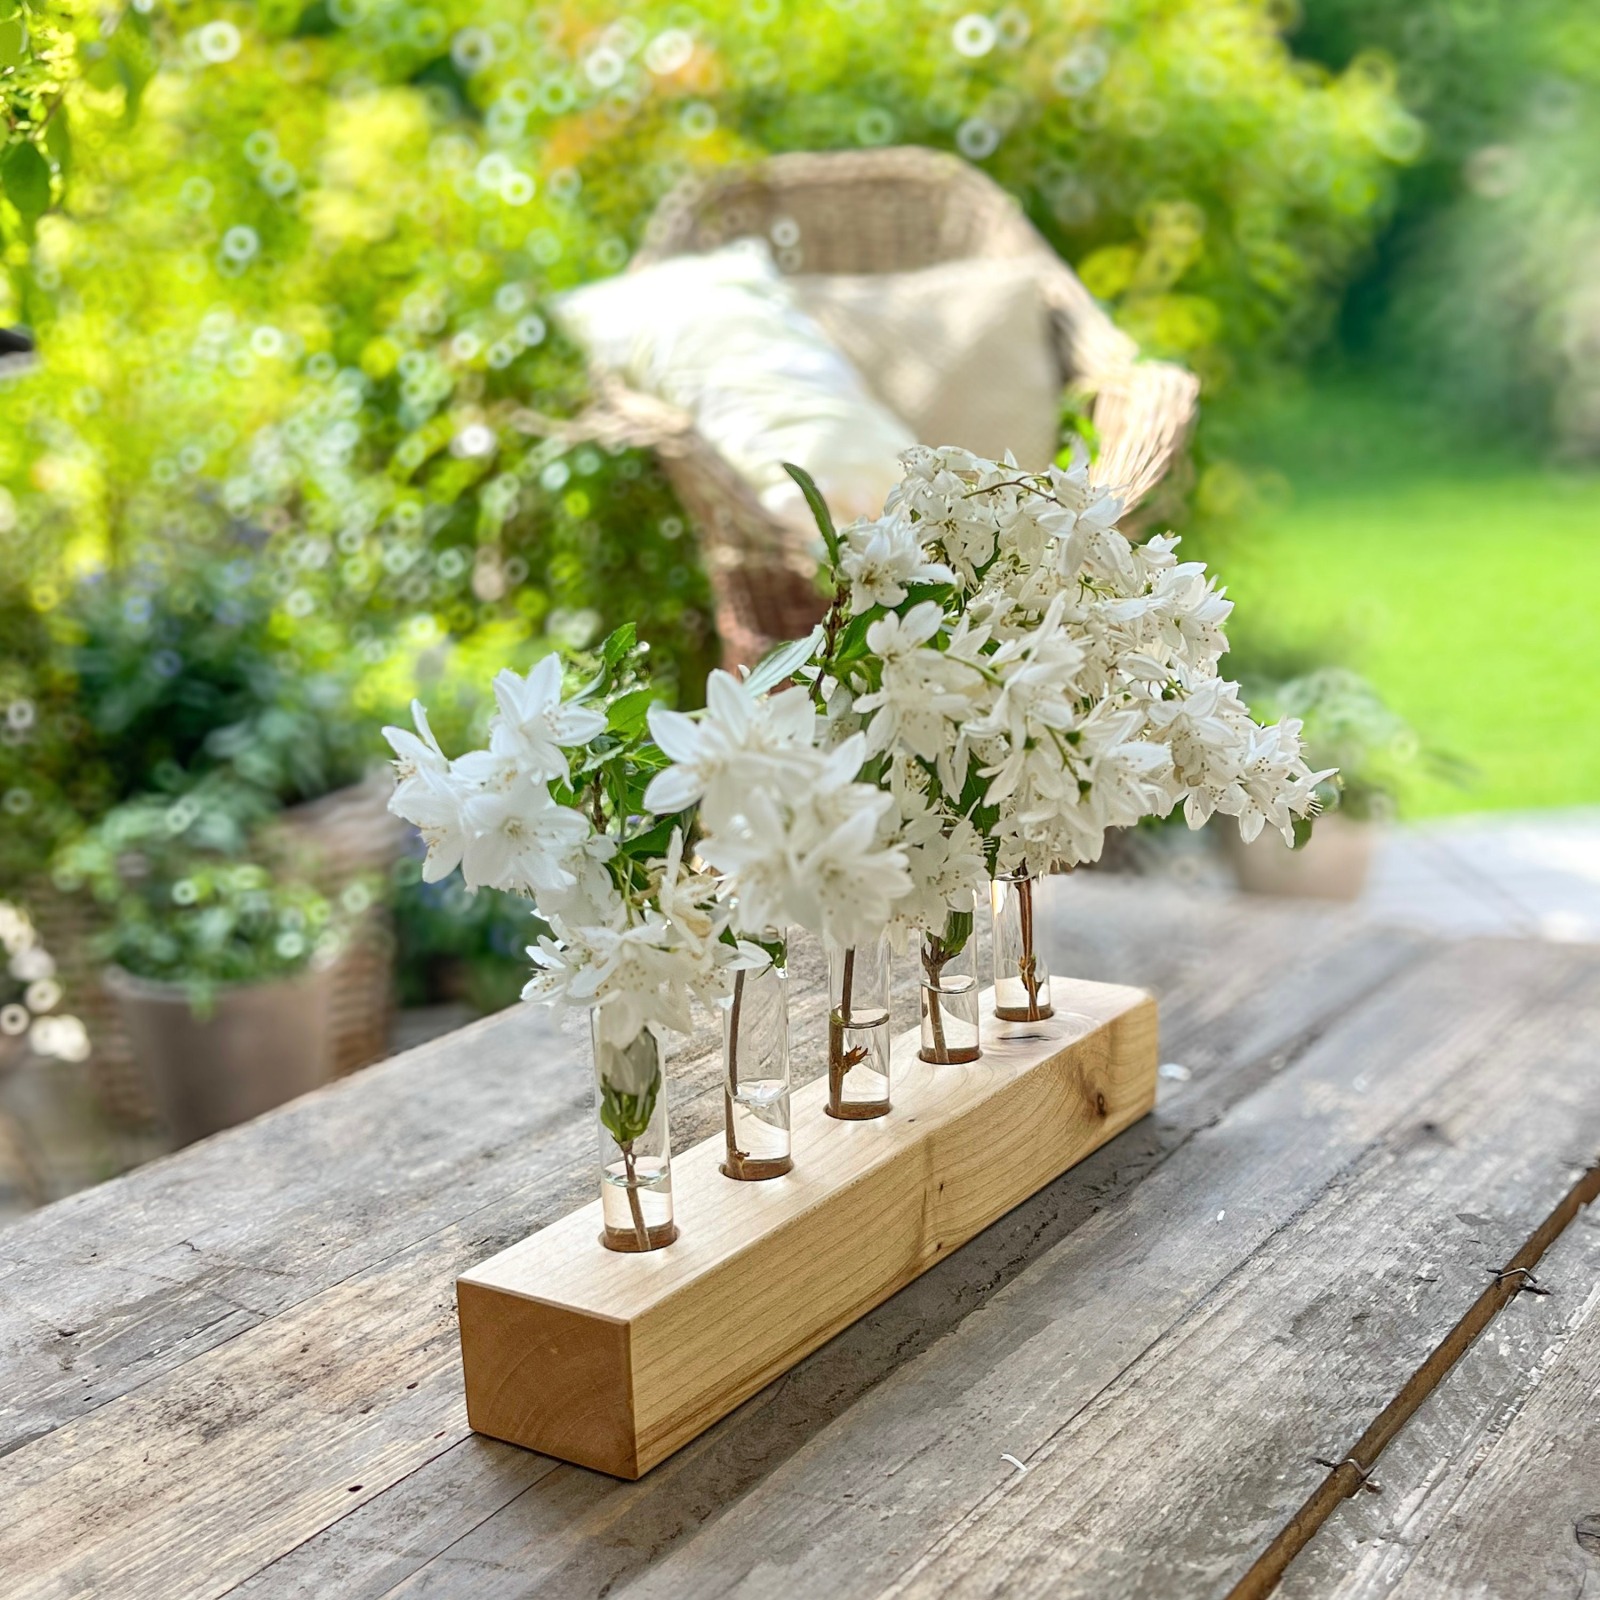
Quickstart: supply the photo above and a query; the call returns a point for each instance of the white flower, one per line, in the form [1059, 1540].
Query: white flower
[591, 897]
[818, 857]
[645, 958]
[535, 723]
[946, 862]
[631, 1067]
[926, 694]
[519, 839]
[1035, 707]
[415, 754]
[944, 489]
[737, 742]
[628, 973]
[882, 559]
[435, 803]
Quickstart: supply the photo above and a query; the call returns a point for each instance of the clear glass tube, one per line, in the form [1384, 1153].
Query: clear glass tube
[755, 1059]
[1021, 978]
[635, 1147]
[949, 972]
[858, 1030]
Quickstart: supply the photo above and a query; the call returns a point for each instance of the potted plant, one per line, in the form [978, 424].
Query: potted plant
[218, 964]
[1345, 724]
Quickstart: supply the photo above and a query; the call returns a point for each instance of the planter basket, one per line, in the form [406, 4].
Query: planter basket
[345, 835]
[858, 212]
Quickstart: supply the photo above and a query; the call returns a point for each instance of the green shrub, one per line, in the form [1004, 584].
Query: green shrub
[298, 306]
[304, 288]
[185, 903]
[1483, 293]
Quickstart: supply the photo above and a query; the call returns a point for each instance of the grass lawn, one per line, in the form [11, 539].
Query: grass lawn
[1467, 589]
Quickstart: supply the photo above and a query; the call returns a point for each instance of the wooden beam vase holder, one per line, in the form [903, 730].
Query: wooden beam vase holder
[613, 1361]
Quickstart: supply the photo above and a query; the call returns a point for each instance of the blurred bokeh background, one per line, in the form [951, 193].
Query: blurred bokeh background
[277, 284]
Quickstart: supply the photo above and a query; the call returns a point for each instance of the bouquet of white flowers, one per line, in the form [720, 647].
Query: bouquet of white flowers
[554, 809]
[1002, 675]
[1026, 677]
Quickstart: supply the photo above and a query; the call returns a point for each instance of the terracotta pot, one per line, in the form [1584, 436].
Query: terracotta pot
[1332, 865]
[261, 1044]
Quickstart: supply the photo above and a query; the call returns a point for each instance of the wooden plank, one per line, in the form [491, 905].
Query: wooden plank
[185, 1254]
[1293, 1354]
[202, 1476]
[1486, 1490]
[915, 1455]
[918, 1437]
[1528, 1523]
[578, 1531]
[615, 1361]
[115, 1286]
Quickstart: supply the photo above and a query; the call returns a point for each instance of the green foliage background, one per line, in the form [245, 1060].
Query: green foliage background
[289, 268]
[1482, 295]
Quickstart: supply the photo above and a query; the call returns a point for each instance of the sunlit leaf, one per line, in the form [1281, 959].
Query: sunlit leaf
[819, 509]
[783, 661]
[25, 179]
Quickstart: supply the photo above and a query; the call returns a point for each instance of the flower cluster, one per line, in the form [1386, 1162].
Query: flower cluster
[799, 838]
[551, 809]
[1003, 676]
[1027, 677]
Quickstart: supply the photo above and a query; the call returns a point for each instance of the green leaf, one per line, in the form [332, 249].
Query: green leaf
[957, 930]
[628, 712]
[819, 510]
[58, 140]
[1302, 831]
[619, 644]
[25, 178]
[652, 844]
[783, 661]
[134, 70]
[13, 37]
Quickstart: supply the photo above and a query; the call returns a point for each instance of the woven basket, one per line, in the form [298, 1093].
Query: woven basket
[343, 836]
[859, 212]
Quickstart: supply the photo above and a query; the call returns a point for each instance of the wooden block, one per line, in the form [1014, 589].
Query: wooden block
[614, 1361]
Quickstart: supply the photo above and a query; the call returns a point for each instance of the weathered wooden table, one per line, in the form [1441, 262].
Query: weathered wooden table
[236, 1371]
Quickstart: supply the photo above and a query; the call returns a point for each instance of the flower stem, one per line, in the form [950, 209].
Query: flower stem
[1028, 962]
[641, 1233]
[831, 626]
[731, 1088]
[933, 964]
[838, 1021]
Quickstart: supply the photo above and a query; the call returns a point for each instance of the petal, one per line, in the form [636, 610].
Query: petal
[728, 701]
[544, 683]
[676, 732]
[671, 790]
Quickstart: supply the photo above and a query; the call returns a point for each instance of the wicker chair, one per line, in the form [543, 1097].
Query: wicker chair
[859, 212]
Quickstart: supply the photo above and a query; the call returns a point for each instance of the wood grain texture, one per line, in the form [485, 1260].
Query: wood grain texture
[1528, 1522]
[1459, 1517]
[572, 1532]
[614, 1361]
[1293, 1354]
[265, 1322]
[1188, 1480]
[830, 1481]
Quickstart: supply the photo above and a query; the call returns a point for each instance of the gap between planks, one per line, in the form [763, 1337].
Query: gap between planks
[1352, 1473]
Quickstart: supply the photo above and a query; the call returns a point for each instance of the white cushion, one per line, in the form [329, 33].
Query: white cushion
[721, 336]
[962, 351]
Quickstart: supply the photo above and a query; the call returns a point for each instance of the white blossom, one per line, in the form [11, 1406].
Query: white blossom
[926, 694]
[535, 722]
[416, 754]
[883, 559]
[817, 853]
[519, 839]
[737, 742]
